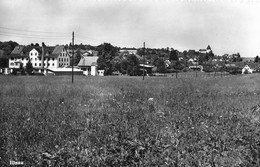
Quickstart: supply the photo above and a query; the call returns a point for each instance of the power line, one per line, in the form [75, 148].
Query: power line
[13, 29]
[31, 35]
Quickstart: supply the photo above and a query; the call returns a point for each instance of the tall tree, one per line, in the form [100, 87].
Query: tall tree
[256, 59]
[106, 53]
[29, 67]
[132, 65]
[173, 55]
[5, 50]
[161, 67]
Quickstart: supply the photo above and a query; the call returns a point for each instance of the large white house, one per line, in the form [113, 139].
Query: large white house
[53, 57]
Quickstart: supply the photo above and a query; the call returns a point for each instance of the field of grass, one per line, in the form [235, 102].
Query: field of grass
[125, 121]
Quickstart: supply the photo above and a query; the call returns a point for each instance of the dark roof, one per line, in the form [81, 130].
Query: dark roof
[50, 51]
[128, 49]
[23, 51]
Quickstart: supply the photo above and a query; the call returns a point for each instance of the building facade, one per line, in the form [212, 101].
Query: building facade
[53, 57]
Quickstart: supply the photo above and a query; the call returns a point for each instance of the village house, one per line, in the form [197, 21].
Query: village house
[54, 57]
[204, 51]
[129, 50]
[88, 64]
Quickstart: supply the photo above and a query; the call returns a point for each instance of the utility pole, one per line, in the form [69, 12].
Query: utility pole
[42, 61]
[72, 79]
[143, 60]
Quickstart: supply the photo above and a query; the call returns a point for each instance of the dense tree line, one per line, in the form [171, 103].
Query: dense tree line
[5, 50]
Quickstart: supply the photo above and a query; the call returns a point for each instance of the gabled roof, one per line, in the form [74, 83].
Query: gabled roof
[57, 50]
[23, 51]
[50, 51]
[17, 50]
[88, 61]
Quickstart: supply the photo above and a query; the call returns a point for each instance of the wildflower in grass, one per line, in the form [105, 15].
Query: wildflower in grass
[150, 100]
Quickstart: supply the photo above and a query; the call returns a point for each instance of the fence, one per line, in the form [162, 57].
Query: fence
[197, 75]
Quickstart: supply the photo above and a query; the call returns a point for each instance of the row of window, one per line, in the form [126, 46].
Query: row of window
[34, 53]
[34, 59]
[63, 59]
[35, 64]
[19, 59]
[44, 59]
[40, 64]
[63, 55]
[63, 64]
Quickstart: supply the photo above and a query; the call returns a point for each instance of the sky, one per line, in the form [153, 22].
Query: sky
[228, 26]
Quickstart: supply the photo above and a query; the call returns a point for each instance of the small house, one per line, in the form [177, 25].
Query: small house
[247, 70]
[88, 64]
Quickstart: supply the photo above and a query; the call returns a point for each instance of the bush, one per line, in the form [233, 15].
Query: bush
[14, 71]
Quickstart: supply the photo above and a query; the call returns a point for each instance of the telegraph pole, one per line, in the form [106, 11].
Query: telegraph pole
[72, 79]
[143, 60]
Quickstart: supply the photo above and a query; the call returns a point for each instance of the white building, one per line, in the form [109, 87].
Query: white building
[204, 51]
[53, 57]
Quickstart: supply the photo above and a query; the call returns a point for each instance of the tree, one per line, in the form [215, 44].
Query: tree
[77, 57]
[132, 65]
[161, 67]
[8, 47]
[256, 59]
[29, 67]
[239, 58]
[106, 53]
[21, 69]
[173, 55]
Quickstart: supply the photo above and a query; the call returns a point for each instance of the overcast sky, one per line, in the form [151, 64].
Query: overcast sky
[227, 26]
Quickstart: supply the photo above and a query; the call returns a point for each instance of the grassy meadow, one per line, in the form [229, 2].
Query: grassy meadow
[125, 121]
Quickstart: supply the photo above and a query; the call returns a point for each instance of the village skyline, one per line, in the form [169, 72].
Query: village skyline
[228, 27]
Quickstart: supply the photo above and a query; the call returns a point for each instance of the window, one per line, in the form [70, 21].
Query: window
[52, 59]
[12, 58]
[31, 58]
[35, 53]
[35, 64]
[11, 64]
[22, 59]
[35, 59]
[40, 64]
[48, 64]
[43, 64]
[61, 59]
[31, 53]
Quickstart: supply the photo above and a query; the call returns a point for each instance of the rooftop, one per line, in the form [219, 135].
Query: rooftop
[88, 61]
